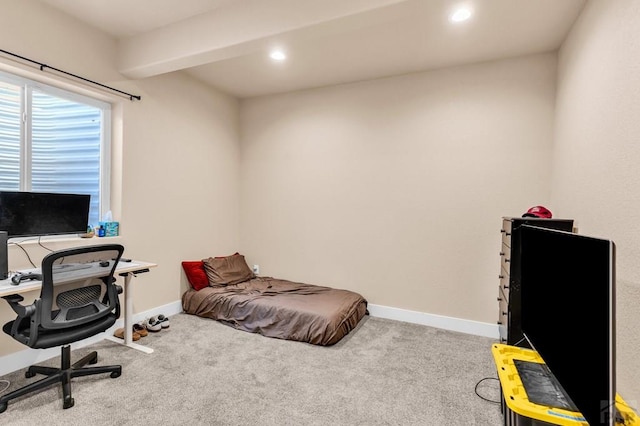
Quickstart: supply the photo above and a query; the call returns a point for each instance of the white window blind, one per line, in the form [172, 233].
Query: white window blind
[10, 124]
[53, 141]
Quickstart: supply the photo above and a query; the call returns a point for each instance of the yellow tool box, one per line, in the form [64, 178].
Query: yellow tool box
[519, 411]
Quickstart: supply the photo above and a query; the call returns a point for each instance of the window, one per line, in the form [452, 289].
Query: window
[52, 140]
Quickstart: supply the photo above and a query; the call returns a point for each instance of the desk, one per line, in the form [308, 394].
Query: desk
[128, 269]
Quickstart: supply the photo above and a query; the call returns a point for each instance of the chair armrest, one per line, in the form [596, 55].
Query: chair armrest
[13, 298]
[22, 311]
[113, 281]
[116, 288]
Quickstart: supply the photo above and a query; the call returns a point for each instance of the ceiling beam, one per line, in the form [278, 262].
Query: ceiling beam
[237, 29]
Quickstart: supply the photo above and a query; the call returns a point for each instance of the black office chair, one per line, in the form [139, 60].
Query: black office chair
[78, 299]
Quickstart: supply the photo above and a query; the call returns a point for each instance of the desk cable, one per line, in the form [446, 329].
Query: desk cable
[7, 384]
[25, 252]
[42, 245]
[478, 384]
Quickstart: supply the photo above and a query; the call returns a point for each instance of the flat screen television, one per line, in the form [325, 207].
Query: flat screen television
[568, 314]
[24, 214]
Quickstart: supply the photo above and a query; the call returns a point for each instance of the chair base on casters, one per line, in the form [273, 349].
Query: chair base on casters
[62, 375]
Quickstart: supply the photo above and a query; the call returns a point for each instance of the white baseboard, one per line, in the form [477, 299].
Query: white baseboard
[447, 323]
[25, 358]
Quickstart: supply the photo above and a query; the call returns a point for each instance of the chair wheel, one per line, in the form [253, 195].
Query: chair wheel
[115, 374]
[68, 403]
[28, 374]
[3, 407]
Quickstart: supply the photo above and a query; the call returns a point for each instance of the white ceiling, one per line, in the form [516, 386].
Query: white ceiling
[226, 43]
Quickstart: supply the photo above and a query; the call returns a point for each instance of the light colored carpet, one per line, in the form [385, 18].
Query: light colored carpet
[205, 373]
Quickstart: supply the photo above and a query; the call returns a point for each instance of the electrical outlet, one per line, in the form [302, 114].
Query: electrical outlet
[256, 269]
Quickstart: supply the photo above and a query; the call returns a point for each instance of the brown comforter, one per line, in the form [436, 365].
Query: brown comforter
[281, 309]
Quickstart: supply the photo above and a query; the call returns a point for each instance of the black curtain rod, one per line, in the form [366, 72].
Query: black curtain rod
[43, 66]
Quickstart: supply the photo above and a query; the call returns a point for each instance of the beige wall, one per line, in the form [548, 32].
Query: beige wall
[596, 156]
[176, 156]
[395, 188]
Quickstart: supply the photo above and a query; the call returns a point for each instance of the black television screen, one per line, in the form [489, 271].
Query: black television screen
[568, 314]
[37, 213]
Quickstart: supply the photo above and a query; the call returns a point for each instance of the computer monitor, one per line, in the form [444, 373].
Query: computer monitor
[568, 314]
[24, 214]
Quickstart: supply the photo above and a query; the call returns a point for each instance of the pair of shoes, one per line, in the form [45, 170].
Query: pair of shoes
[157, 323]
[164, 321]
[140, 329]
[119, 333]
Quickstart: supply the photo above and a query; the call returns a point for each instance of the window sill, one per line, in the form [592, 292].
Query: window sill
[58, 239]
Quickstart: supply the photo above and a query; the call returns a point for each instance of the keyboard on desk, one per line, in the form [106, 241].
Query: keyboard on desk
[68, 267]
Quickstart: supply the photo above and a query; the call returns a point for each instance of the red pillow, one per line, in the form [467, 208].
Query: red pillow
[195, 274]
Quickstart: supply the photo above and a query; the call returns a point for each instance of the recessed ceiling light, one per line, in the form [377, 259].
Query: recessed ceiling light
[278, 55]
[460, 15]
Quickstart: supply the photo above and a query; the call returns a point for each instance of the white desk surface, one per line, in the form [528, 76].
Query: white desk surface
[7, 287]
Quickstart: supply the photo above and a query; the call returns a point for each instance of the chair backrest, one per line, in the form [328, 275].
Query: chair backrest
[78, 287]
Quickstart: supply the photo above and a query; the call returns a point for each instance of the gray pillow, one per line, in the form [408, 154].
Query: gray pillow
[227, 270]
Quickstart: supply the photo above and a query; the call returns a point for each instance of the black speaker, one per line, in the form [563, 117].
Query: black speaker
[4, 257]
